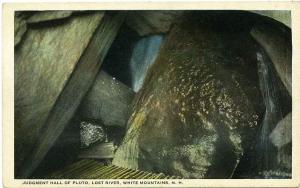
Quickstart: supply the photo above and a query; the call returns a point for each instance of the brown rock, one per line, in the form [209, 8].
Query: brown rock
[200, 105]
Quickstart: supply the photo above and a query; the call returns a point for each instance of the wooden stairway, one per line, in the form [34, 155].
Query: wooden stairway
[91, 169]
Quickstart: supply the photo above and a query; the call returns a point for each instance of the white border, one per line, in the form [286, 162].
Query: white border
[8, 86]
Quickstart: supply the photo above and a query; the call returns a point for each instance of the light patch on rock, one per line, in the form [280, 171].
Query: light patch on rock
[91, 133]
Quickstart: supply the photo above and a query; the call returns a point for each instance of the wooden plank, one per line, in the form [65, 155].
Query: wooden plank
[74, 91]
[91, 169]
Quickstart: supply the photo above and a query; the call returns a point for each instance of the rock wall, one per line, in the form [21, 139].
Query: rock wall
[43, 64]
[56, 65]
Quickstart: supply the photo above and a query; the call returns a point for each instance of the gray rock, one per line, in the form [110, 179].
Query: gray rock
[200, 106]
[277, 42]
[274, 152]
[283, 16]
[20, 26]
[22, 19]
[75, 89]
[282, 134]
[284, 157]
[108, 101]
[91, 133]
[43, 65]
[43, 16]
[151, 22]
[277, 102]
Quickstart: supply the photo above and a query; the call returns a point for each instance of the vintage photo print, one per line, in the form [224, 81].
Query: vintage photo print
[151, 94]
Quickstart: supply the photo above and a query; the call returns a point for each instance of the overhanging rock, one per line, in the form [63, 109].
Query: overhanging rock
[56, 66]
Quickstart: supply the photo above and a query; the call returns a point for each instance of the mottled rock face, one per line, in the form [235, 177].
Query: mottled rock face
[91, 133]
[43, 64]
[200, 105]
[44, 16]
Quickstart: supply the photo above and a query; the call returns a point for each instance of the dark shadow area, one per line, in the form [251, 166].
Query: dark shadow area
[118, 58]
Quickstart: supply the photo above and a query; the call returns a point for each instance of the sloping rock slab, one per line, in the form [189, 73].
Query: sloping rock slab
[75, 89]
[43, 16]
[43, 64]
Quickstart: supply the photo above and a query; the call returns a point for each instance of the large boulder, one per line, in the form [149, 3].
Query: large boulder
[200, 106]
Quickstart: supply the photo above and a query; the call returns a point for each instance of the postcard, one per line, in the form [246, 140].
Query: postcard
[189, 94]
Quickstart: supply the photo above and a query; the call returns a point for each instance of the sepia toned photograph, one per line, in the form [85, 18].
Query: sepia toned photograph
[152, 94]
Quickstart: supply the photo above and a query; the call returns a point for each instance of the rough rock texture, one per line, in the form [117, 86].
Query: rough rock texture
[278, 103]
[275, 39]
[277, 42]
[91, 133]
[44, 16]
[75, 89]
[23, 18]
[152, 22]
[108, 101]
[283, 16]
[284, 158]
[200, 105]
[20, 26]
[43, 65]
[282, 134]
